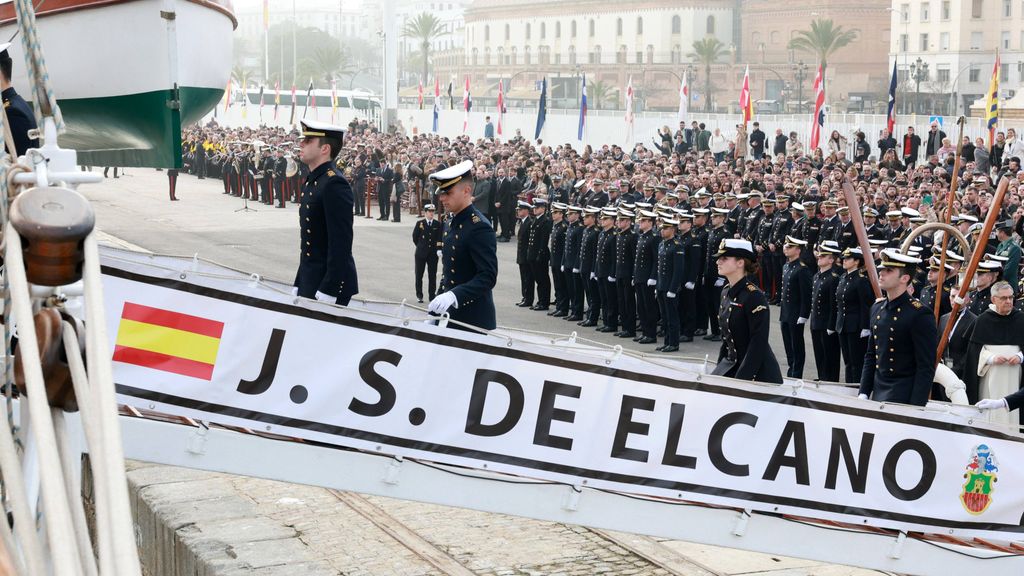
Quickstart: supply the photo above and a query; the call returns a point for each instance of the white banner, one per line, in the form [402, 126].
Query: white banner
[210, 343]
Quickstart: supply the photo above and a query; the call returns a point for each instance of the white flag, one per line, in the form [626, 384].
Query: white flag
[684, 99]
[629, 114]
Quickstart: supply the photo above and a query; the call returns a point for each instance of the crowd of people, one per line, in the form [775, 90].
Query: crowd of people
[630, 242]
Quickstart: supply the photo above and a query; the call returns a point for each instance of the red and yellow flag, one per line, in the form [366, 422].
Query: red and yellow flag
[746, 103]
[167, 341]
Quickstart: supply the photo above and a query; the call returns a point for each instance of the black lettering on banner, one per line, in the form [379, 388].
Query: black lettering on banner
[793, 434]
[265, 378]
[369, 375]
[481, 383]
[626, 426]
[672, 457]
[718, 434]
[857, 469]
[547, 412]
[892, 459]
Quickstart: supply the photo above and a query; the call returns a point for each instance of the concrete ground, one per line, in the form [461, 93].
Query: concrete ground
[311, 530]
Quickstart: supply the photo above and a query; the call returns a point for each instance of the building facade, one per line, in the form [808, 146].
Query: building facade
[945, 51]
[339, 18]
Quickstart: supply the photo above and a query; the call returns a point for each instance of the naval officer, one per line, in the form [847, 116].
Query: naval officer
[327, 270]
[19, 116]
[469, 260]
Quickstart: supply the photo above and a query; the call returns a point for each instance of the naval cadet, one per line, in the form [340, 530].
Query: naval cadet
[928, 292]
[795, 304]
[559, 226]
[713, 283]
[670, 283]
[327, 270]
[854, 297]
[625, 254]
[469, 260]
[571, 264]
[824, 340]
[525, 221]
[605, 271]
[744, 318]
[538, 253]
[645, 277]
[19, 116]
[899, 365]
[426, 235]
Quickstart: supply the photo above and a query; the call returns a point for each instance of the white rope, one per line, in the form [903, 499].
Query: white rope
[59, 527]
[73, 488]
[14, 481]
[35, 66]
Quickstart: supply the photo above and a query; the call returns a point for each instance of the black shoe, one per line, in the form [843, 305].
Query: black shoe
[646, 340]
[560, 314]
[715, 338]
[686, 338]
[525, 304]
[637, 338]
[659, 348]
[627, 335]
[670, 349]
[606, 329]
[700, 332]
[573, 318]
[540, 308]
[588, 323]
[420, 300]
[618, 334]
[661, 333]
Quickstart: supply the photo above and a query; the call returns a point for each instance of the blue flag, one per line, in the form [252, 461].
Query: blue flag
[542, 109]
[891, 116]
[583, 109]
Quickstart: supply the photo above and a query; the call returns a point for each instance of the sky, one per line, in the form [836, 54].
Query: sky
[274, 4]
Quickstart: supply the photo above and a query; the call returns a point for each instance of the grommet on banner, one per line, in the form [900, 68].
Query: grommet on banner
[572, 499]
[617, 352]
[195, 262]
[741, 523]
[897, 546]
[256, 278]
[443, 322]
[391, 473]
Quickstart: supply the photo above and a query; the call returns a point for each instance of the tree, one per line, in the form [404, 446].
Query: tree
[329, 63]
[823, 40]
[707, 52]
[424, 29]
[599, 93]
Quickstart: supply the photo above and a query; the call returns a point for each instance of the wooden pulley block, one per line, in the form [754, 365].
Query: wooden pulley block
[53, 223]
[60, 392]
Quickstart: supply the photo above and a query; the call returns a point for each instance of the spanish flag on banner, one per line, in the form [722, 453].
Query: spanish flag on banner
[167, 341]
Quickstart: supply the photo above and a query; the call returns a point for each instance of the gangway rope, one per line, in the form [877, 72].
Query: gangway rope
[35, 65]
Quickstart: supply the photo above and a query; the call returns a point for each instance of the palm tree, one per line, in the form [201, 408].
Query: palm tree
[425, 28]
[599, 93]
[823, 40]
[328, 62]
[707, 52]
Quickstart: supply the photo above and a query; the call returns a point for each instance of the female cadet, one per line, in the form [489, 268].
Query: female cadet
[744, 318]
[854, 298]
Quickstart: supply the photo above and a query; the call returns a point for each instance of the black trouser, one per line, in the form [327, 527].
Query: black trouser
[627, 304]
[526, 282]
[670, 315]
[574, 284]
[777, 261]
[854, 347]
[609, 301]
[430, 263]
[396, 209]
[826, 355]
[384, 202]
[359, 190]
[793, 341]
[593, 298]
[767, 279]
[539, 272]
[266, 191]
[561, 288]
[647, 308]
[227, 182]
[201, 164]
[712, 301]
[508, 224]
[700, 319]
[172, 181]
[687, 311]
[279, 191]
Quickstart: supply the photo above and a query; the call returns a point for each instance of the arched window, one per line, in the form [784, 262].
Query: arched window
[639, 25]
[527, 30]
[543, 30]
[677, 24]
[487, 33]
[487, 56]
[595, 55]
[592, 28]
[501, 56]
[512, 57]
[526, 56]
[620, 56]
[558, 29]
[474, 56]
[618, 26]
[508, 32]
[572, 29]
[774, 36]
[572, 55]
[650, 54]
[711, 25]
[677, 54]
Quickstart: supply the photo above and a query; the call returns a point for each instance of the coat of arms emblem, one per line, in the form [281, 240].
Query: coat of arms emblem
[980, 479]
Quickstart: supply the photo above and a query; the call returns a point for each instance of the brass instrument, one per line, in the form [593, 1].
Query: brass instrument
[292, 168]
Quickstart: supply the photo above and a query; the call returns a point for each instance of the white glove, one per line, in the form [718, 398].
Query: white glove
[575, 270]
[865, 333]
[689, 285]
[991, 404]
[862, 396]
[801, 321]
[563, 268]
[830, 332]
[652, 282]
[325, 298]
[670, 294]
[611, 279]
[593, 275]
[443, 302]
[295, 290]
[438, 253]
[720, 282]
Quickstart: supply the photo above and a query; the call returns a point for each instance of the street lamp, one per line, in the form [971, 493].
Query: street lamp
[918, 73]
[799, 73]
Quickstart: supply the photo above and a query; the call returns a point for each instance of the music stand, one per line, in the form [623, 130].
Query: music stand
[245, 205]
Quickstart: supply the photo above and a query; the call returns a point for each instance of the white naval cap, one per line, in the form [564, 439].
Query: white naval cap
[451, 176]
[893, 258]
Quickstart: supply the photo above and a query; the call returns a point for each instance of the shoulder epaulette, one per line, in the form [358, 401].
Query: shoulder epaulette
[751, 287]
[475, 218]
[331, 173]
[879, 300]
[916, 303]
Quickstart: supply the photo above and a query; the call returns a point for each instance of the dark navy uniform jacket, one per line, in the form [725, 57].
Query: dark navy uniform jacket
[900, 361]
[21, 119]
[325, 221]
[588, 251]
[606, 254]
[470, 263]
[745, 321]
[426, 235]
[645, 264]
[854, 297]
[796, 291]
[625, 255]
[670, 266]
[558, 244]
[573, 243]
[823, 299]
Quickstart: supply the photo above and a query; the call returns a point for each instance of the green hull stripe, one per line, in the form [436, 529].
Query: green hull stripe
[136, 129]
